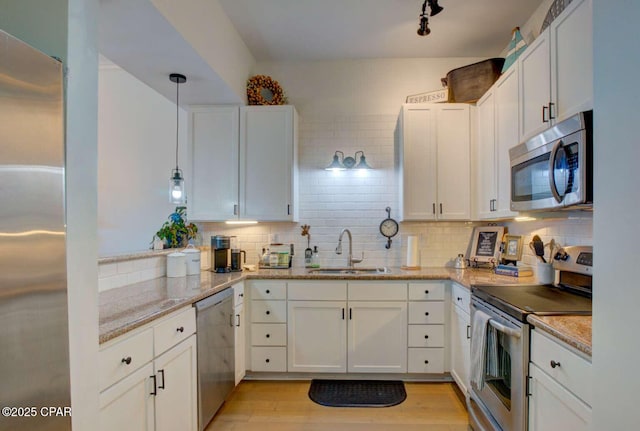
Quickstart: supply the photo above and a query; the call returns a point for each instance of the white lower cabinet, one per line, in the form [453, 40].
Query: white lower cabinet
[560, 386]
[332, 328]
[239, 333]
[268, 322]
[176, 402]
[377, 337]
[148, 378]
[427, 329]
[460, 336]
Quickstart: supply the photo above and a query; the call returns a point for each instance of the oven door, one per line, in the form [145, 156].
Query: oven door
[501, 403]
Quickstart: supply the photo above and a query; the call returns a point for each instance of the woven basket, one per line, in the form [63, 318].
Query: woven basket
[467, 84]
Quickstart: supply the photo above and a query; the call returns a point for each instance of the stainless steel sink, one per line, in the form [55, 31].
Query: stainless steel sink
[344, 270]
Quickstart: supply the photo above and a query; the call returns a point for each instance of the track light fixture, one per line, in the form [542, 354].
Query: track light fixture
[423, 29]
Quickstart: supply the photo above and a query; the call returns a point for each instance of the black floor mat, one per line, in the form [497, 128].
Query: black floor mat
[357, 393]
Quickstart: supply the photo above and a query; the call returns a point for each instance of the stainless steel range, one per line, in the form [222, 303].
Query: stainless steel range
[498, 399]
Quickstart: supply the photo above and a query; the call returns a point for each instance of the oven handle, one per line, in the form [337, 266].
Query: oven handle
[505, 329]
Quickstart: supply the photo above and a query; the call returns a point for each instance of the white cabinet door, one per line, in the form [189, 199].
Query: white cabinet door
[486, 192]
[460, 348]
[552, 407]
[507, 136]
[128, 405]
[239, 332]
[317, 336]
[176, 402]
[454, 162]
[214, 139]
[535, 87]
[418, 162]
[377, 337]
[268, 163]
[435, 161]
[572, 60]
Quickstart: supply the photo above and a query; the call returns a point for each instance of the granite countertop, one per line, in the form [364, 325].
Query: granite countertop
[573, 330]
[129, 307]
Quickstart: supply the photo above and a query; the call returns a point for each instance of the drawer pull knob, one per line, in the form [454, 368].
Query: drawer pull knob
[459, 298]
[126, 360]
[426, 362]
[554, 364]
[426, 313]
[268, 291]
[241, 295]
[426, 336]
[268, 312]
[267, 360]
[426, 292]
[180, 329]
[268, 335]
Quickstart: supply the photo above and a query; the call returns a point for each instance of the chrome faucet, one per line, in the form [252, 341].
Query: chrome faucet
[350, 260]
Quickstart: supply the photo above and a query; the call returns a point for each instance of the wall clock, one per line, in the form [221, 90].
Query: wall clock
[389, 228]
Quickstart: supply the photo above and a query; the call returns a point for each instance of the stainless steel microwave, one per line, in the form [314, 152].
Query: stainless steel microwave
[554, 170]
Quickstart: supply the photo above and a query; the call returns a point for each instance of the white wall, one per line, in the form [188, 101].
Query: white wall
[616, 228]
[136, 153]
[82, 244]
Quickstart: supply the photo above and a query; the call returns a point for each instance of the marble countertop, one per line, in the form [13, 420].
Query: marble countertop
[573, 330]
[129, 307]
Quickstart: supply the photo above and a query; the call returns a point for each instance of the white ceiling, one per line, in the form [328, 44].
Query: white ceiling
[282, 30]
[138, 38]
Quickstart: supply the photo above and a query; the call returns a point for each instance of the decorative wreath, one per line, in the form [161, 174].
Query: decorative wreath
[257, 83]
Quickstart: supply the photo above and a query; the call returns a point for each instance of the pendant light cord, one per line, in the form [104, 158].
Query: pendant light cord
[177, 117]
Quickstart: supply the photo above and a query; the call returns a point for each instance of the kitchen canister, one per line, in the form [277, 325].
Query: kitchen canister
[176, 265]
[192, 260]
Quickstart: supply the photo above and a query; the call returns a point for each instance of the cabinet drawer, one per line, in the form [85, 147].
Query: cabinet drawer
[137, 350]
[426, 335]
[269, 311]
[461, 297]
[238, 294]
[173, 330]
[268, 334]
[574, 372]
[269, 359]
[426, 360]
[269, 290]
[377, 291]
[433, 291]
[317, 291]
[422, 313]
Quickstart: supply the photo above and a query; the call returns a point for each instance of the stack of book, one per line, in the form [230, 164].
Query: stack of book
[514, 271]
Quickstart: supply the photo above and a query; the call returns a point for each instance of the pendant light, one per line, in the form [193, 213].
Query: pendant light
[177, 194]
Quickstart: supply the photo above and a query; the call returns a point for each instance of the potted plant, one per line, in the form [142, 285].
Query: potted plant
[175, 232]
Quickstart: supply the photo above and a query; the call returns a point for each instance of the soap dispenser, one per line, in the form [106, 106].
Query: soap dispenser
[315, 258]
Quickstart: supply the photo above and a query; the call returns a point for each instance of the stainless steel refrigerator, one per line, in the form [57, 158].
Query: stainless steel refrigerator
[34, 336]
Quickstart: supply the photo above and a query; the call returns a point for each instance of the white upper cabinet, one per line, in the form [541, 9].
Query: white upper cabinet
[268, 163]
[244, 163]
[434, 144]
[214, 134]
[556, 71]
[497, 114]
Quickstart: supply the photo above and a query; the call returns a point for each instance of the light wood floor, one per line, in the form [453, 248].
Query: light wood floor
[285, 406]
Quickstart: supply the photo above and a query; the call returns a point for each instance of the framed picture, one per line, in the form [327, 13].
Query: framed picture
[486, 244]
[512, 248]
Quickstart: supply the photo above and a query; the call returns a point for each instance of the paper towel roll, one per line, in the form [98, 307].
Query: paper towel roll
[413, 254]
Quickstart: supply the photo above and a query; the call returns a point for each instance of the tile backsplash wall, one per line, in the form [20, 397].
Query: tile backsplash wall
[117, 274]
[575, 230]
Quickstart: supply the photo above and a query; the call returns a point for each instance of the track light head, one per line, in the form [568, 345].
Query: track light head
[424, 29]
[435, 7]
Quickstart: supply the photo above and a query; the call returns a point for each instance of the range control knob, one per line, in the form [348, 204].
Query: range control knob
[561, 255]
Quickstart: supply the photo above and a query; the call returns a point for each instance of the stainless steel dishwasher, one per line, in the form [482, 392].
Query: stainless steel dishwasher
[216, 357]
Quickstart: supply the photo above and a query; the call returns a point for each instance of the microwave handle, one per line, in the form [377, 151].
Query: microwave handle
[552, 163]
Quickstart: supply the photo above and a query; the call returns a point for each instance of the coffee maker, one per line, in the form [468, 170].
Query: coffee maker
[220, 253]
[236, 255]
